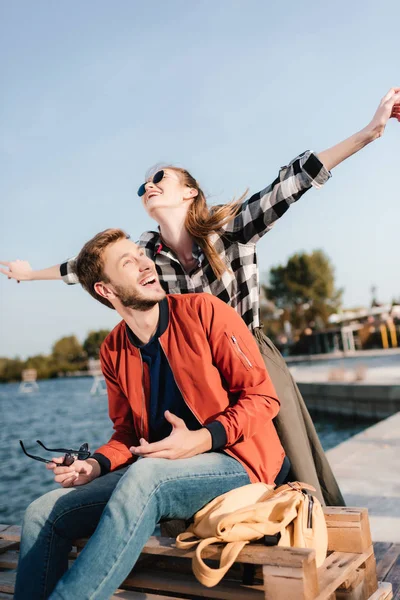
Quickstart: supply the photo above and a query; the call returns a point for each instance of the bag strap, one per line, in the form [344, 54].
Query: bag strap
[298, 486]
[187, 540]
[208, 576]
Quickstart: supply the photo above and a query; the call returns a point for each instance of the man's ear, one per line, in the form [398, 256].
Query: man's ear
[103, 290]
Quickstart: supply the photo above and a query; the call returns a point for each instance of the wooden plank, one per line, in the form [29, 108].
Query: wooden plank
[348, 529]
[355, 593]
[7, 582]
[180, 583]
[353, 580]
[380, 549]
[371, 580]
[4, 526]
[387, 561]
[384, 592]
[336, 568]
[343, 513]
[6, 545]
[282, 582]
[257, 554]
[131, 595]
[12, 533]
[9, 560]
[394, 577]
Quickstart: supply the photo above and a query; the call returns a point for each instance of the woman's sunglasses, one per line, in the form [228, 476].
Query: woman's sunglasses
[155, 179]
[69, 455]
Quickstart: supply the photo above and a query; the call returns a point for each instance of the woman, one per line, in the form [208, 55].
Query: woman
[202, 249]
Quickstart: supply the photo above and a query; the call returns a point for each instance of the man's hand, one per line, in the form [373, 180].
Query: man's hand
[181, 443]
[79, 473]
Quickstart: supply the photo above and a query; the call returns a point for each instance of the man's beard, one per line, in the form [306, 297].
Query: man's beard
[133, 299]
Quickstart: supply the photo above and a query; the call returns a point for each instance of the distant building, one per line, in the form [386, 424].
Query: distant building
[99, 384]
[28, 383]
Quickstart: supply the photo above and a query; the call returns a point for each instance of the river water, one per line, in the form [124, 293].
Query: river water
[62, 413]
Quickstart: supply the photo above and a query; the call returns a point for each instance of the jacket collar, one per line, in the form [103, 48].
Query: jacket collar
[163, 321]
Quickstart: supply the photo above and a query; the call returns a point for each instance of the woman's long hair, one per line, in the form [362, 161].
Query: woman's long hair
[202, 220]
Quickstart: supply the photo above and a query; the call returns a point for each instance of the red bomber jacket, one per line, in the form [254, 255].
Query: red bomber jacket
[220, 373]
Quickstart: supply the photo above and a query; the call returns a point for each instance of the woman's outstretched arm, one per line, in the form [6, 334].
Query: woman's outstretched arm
[258, 214]
[388, 107]
[21, 270]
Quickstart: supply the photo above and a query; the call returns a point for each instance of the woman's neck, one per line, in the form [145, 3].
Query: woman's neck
[177, 238]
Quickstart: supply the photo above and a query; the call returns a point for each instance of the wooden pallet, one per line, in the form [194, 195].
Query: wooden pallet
[163, 571]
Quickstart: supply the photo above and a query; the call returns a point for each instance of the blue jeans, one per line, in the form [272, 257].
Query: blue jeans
[120, 511]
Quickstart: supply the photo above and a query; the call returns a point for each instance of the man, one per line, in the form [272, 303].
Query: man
[192, 407]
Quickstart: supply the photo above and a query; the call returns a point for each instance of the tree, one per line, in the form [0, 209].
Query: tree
[11, 369]
[93, 342]
[305, 289]
[68, 350]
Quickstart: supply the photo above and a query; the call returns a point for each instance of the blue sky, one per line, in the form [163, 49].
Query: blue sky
[95, 92]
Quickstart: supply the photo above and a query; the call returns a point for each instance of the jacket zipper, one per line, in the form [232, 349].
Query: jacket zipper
[184, 399]
[236, 343]
[143, 398]
[226, 450]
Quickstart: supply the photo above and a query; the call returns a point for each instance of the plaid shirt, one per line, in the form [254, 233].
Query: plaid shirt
[239, 285]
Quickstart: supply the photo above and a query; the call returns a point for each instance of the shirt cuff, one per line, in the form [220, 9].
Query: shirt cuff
[67, 272]
[314, 168]
[105, 464]
[218, 435]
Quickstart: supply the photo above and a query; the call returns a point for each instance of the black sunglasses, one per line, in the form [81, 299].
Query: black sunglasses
[69, 455]
[155, 179]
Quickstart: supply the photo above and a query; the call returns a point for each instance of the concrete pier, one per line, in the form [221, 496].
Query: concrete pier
[367, 467]
[364, 385]
[366, 401]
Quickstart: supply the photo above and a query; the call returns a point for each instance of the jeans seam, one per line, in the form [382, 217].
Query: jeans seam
[66, 512]
[139, 520]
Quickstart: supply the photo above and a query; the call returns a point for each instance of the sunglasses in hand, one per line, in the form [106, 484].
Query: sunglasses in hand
[69, 455]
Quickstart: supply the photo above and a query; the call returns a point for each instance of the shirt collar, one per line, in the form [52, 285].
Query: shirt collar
[197, 252]
[163, 321]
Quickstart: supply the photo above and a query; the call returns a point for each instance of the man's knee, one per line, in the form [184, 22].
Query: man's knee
[149, 472]
[148, 476]
[40, 510]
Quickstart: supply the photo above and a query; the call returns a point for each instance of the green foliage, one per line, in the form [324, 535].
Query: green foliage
[304, 289]
[67, 356]
[93, 342]
[10, 369]
[306, 278]
[44, 366]
[68, 350]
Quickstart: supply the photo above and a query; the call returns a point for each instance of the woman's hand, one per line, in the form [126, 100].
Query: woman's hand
[389, 107]
[20, 270]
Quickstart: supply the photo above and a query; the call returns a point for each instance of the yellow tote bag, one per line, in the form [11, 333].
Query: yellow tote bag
[249, 513]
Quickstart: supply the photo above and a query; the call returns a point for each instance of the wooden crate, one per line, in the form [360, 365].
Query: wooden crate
[348, 573]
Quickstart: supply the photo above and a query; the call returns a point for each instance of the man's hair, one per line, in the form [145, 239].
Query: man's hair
[89, 265]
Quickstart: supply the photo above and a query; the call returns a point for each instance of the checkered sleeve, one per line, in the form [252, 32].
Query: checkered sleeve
[259, 213]
[67, 271]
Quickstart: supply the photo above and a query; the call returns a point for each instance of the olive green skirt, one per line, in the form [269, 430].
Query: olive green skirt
[296, 429]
